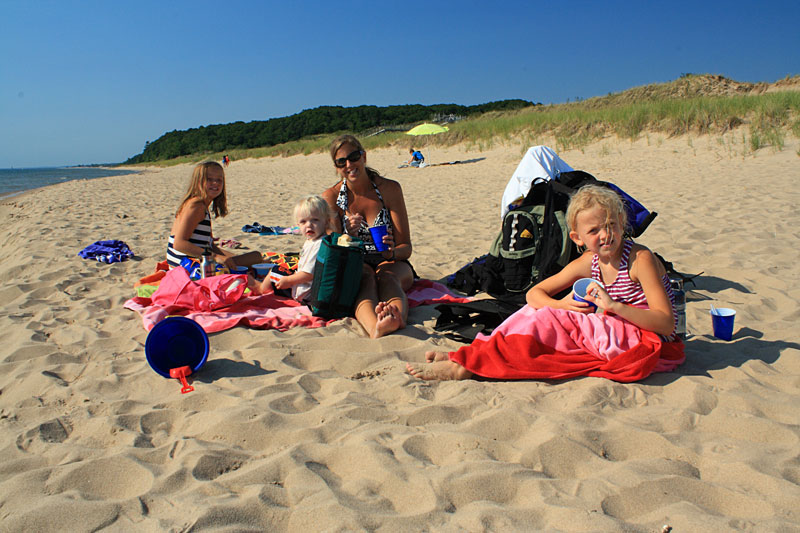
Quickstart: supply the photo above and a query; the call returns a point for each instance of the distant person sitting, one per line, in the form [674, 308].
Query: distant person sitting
[416, 157]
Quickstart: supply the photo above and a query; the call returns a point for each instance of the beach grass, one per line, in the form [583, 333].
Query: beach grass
[768, 117]
[575, 125]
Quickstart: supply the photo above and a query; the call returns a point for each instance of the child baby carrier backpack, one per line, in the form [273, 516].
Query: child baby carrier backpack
[337, 278]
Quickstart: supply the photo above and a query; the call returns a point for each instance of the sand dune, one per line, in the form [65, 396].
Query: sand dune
[321, 429]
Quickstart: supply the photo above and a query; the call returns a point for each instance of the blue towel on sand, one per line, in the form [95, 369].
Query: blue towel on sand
[107, 251]
[255, 227]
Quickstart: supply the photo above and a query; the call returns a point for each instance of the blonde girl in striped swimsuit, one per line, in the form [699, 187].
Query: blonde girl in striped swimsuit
[191, 234]
[629, 281]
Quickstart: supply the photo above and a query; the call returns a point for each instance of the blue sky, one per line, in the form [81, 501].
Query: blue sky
[91, 82]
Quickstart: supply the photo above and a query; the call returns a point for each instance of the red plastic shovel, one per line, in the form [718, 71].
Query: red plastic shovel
[180, 373]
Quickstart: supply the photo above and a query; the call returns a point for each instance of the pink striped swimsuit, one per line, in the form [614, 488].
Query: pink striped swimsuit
[627, 291]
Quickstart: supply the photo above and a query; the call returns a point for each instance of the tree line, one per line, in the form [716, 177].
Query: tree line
[320, 120]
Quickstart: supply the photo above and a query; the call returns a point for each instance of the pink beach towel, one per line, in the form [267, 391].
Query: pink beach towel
[215, 309]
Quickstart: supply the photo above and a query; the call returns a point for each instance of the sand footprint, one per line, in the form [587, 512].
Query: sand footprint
[294, 403]
[157, 421]
[277, 388]
[106, 478]
[565, 458]
[606, 395]
[438, 414]
[447, 449]
[211, 466]
[51, 432]
[367, 413]
[32, 351]
[473, 483]
[643, 499]
[501, 425]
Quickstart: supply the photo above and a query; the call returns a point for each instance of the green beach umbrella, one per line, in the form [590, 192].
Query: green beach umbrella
[427, 129]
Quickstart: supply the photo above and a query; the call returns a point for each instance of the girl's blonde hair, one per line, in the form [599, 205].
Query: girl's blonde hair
[197, 189]
[314, 205]
[591, 196]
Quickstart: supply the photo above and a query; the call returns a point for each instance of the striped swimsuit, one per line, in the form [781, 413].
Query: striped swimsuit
[201, 236]
[627, 291]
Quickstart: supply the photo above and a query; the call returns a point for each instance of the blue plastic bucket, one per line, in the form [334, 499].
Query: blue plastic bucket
[174, 342]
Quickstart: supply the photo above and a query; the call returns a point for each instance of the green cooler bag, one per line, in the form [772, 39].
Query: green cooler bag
[337, 278]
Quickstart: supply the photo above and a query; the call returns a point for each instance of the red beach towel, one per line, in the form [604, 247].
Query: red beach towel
[558, 344]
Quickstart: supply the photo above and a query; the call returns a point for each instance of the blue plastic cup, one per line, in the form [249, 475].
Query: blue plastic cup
[377, 235]
[175, 342]
[722, 321]
[579, 291]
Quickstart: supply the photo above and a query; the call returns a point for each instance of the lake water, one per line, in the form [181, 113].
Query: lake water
[16, 180]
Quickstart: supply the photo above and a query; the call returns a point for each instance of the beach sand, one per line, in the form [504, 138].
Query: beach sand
[321, 429]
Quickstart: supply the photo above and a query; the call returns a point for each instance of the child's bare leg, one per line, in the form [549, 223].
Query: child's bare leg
[266, 287]
[442, 370]
[256, 287]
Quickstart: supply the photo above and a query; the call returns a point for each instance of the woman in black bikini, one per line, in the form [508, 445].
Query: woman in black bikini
[363, 198]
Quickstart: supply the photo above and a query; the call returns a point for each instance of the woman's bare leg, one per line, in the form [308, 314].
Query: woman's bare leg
[393, 280]
[367, 301]
[382, 305]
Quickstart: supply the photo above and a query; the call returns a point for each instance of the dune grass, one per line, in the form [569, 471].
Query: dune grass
[768, 117]
[575, 125]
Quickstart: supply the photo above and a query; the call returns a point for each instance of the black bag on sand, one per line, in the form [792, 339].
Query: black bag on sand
[463, 321]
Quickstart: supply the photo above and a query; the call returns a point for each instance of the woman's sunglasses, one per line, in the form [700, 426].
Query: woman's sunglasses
[352, 157]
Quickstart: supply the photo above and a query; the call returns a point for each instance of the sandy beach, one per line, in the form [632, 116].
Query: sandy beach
[322, 429]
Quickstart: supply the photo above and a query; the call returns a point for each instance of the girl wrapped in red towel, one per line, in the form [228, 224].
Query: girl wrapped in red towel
[631, 335]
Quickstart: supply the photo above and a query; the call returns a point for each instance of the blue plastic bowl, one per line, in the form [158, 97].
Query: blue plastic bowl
[174, 342]
[262, 269]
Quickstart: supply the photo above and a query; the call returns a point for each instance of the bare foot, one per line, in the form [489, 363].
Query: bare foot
[254, 285]
[443, 370]
[436, 356]
[389, 320]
